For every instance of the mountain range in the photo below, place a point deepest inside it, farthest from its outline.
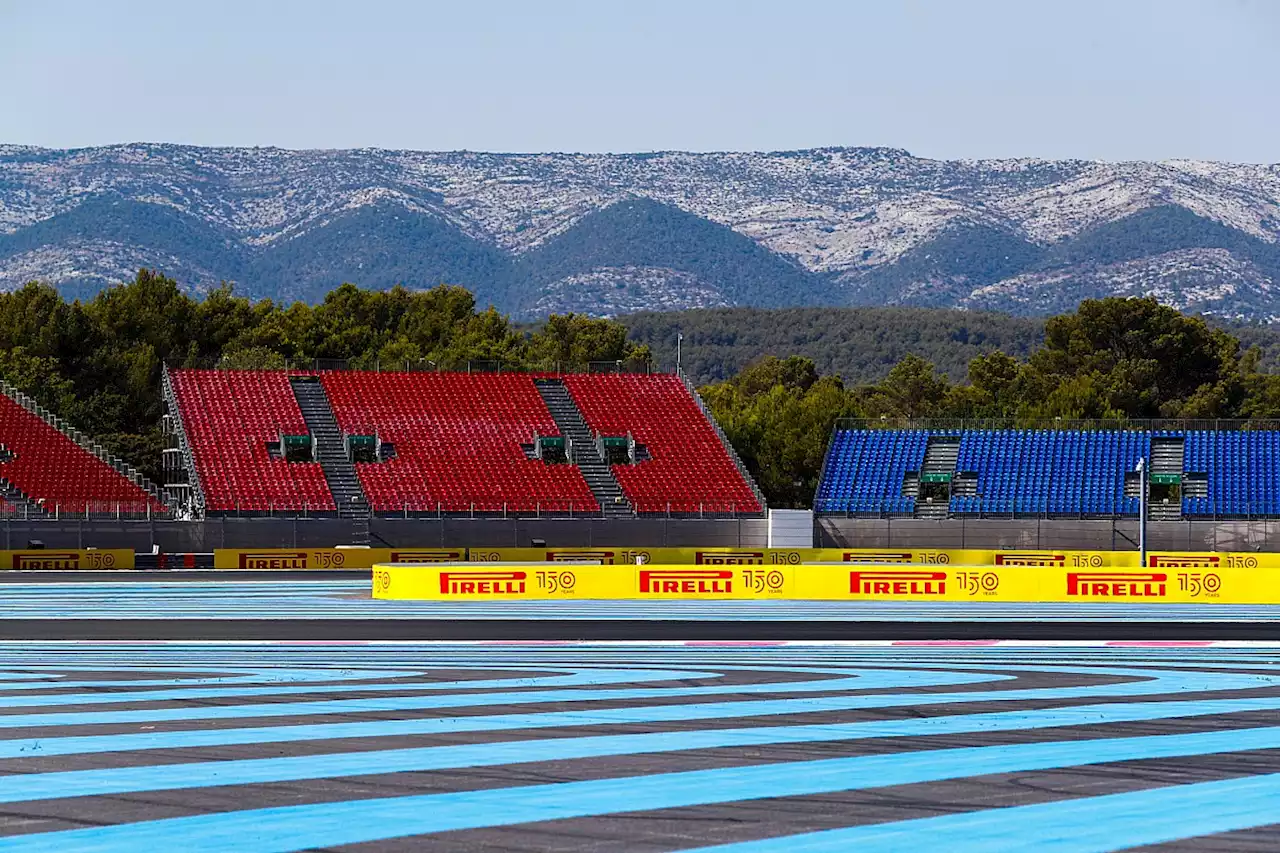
(611, 234)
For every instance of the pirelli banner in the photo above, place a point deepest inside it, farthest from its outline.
(632, 556)
(66, 560)
(1167, 578)
(311, 559)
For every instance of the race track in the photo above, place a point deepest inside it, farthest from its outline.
(292, 609)
(649, 747)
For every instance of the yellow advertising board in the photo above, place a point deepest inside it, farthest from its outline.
(615, 556)
(300, 559)
(310, 559)
(67, 559)
(1180, 583)
(796, 556)
(978, 557)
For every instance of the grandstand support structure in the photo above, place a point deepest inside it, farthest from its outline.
(197, 504)
(85, 442)
(22, 505)
(724, 441)
(583, 449)
(331, 450)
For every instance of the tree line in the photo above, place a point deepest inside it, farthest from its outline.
(1112, 359)
(97, 363)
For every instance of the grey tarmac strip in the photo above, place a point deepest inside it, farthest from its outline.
(55, 814)
(586, 630)
(674, 829)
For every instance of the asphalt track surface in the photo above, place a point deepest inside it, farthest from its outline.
(752, 748)
(749, 745)
(292, 608)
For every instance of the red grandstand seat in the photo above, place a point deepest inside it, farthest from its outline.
(229, 417)
(48, 467)
(457, 439)
(689, 470)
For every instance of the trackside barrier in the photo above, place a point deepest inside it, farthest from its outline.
(300, 559)
(1183, 583)
(365, 558)
(66, 559)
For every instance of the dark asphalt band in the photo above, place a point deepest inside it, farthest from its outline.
(167, 575)
(622, 629)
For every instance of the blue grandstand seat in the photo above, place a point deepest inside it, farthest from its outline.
(1242, 472)
(1034, 472)
(865, 470)
(1053, 472)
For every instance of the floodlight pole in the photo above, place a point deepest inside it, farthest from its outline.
(679, 340)
(1142, 511)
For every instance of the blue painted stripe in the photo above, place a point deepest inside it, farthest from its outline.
(1159, 682)
(84, 783)
(52, 681)
(291, 828)
(584, 678)
(467, 700)
(1089, 825)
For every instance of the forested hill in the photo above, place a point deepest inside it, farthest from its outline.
(860, 345)
(857, 344)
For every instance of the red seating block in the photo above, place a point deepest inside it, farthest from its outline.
(229, 416)
(457, 438)
(689, 470)
(46, 465)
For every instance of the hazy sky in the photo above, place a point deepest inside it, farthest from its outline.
(1105, 79)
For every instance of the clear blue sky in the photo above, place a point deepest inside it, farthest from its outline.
(1105, 79)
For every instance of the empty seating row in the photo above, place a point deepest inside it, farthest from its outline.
(1060, 472)
(56, 473)
(455, 443)
(1241, 472)
(688, 469)
(1049, 472)
(457, 440)
(866, 469)
(230, 417)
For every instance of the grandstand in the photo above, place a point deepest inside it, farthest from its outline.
(1227, 472)
(48, 470)
(355, 443)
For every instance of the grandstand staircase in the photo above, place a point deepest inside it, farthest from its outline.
(1167, 455)
(91, 447)
(604, 486)
(23, 506)
(331, 453)
(940, 457)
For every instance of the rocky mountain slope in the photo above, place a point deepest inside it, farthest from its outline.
(610, 234)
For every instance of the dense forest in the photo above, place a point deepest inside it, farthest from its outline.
(98, 363)
(860, 345)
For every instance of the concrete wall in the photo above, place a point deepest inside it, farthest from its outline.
(1048, 534)
(203, 536)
